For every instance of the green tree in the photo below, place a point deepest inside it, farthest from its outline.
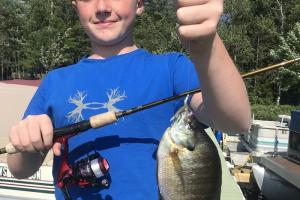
(156, 28)
(250, 28)
(289, 48)
(233, 29)
(55, 39)
(40, 35)
(11, 37)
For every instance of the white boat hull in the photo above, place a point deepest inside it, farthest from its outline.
(37, 187)
(272, 186)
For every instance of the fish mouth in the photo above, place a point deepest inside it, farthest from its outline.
(182, 131)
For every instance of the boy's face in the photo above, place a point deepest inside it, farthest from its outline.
(108, 22)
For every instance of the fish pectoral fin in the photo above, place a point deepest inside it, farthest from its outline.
(173, 149)
(177, 167)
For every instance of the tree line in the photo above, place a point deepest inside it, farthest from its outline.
(37, 36)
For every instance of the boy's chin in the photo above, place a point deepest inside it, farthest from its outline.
(109, 42)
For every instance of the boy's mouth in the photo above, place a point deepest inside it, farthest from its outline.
(105, 23)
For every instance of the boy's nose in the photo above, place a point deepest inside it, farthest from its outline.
(103, 6)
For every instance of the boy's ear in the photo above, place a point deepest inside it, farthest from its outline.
(74, 4)
(140, 7)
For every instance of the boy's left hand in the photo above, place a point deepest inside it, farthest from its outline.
(198, 19)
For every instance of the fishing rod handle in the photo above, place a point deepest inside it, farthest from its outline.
(95, 122)
(9, 148)
(103, 119)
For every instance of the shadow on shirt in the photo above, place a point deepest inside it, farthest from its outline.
(108, 142)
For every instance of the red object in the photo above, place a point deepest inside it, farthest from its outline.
(105, 165)
(65, 176)
(65, 171)
(83, 183)
(35, 83)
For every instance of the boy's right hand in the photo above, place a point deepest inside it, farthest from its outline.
(34, 134)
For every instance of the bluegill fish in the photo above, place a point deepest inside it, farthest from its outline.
(189, 166)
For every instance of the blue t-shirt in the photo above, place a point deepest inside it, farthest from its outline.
(92, 86)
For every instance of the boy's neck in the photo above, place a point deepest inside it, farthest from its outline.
(103, 51)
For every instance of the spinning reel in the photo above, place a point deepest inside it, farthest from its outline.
(88, 172)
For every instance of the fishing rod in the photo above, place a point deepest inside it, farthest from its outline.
(110, 117)
(271, 67)
(101, 120)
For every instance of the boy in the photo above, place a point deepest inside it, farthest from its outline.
(118, 76)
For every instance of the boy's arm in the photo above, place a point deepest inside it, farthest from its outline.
(25, 164)
(32, 137)
(223, 103)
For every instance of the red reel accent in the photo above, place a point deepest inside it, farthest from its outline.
(67, 176)
(105, 164)
(64, 175)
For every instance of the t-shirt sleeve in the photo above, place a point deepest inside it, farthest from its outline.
(38, 103)
(185, 77)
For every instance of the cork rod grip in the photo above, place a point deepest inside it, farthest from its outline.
(103, 119)
(10, 149)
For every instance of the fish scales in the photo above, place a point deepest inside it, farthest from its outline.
(189, 166)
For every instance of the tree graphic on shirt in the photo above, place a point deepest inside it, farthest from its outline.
(114, 96)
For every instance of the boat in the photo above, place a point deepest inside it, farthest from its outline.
(278, 175)
(15, 95)
(38, 186)
(270, 151)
